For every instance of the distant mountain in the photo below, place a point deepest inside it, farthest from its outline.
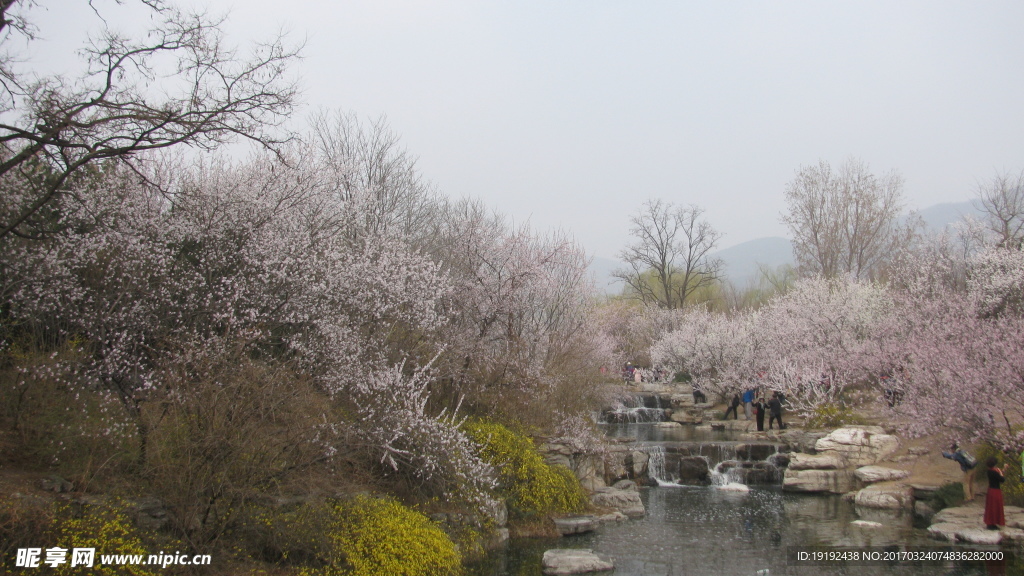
(940, 216)
(742, 260)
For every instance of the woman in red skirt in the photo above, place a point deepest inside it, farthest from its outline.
(994, 499)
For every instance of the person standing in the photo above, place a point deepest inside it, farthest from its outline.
(994, 517)
(748, 402)
(967, 465)
(759, 409)
(775, 408)
(733, 408)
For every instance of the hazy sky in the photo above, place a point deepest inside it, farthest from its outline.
(571, 113)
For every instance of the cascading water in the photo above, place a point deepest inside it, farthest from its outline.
(718, 463)
(638, 408)
(656, 466)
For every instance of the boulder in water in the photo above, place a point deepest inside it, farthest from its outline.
(573, 561)
(832, 481)
(872, 474)
(626, 501)
(576, 524)
(886, 496)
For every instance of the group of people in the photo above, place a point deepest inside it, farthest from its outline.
(636, 374)
(755, 405)
(996, 475)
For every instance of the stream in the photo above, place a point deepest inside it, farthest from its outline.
(702, 530)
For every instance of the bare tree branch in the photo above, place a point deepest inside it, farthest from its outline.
(177, 84)
(671, 259)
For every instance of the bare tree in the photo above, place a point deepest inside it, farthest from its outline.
(373, 169)
(175, 84)
(843, 222)
(671, 257)
(1002, 199)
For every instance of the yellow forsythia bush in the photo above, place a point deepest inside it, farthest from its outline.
(531, 485)
(381, 537)
(108, 529)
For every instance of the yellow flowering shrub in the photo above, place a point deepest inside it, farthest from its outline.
(106, 528)
(381, 537)
(531, 485)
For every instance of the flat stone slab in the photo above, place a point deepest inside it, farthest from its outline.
(1014, 534)
(944, 531)
(577, 524)
(866, 524)
(872, 474)
(574, 561)
(979, 536)
(960, 515)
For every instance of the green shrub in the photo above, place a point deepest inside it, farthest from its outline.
(380, 537)
(833, 415)
(948, 495)
(1013, 489)
(531, 486)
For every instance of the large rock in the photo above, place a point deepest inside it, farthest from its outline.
(626, 501)
(831, 481)
(576, 561)
(801, 440)
(800, 461)
(859, 445)
(872, 474)
(687, 417)
(590, 471)
(577, 524)
(640, 460)
(617, 465)
(894, 496)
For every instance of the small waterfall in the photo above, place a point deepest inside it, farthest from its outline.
(716, 463)
(637, 408)
(656, 465)
(721, 475)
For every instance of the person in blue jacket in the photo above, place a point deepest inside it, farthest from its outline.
(748, 402)
(967, 465)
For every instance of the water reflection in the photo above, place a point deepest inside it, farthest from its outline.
(691, 530)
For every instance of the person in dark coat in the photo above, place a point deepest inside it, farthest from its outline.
(994, 517)
(760, 406)
(775, 410)
(733, 408)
